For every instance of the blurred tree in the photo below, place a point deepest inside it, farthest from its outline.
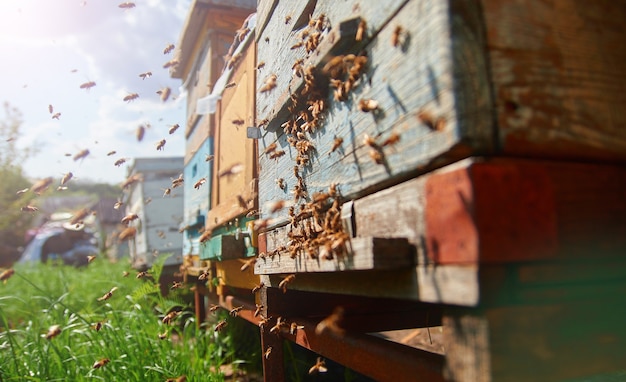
(13, 222)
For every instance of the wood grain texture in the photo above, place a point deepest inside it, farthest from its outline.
(557, 77)
(230, 273)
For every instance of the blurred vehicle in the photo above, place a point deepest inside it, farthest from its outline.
(68, 243)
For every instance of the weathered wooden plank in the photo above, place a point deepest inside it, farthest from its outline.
(557, 78)
(363, 253)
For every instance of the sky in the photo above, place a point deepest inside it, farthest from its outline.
(50, 48)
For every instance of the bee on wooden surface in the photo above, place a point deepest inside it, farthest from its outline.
(168, 48)
(6, 274)
(141, 130)
(280, 323)
(173, 128)
(395, 37)
(91, 259)
(199, 183)
(367, 105)
(360, 31)
(88, 85)
(295, 327)
(160, 144)
(171, 316)
(258, 309)
(22, 191)
(29, 208)
(370, 141)
(267, 353)
(242, 33)
(127, 5)
(220, 326)
(242, 202)
(120, 162)
(248, 264)
(319, 367)
(145, 75)
(129, 218)
(277, 154)
(230, 85)
(213, 308)
(56, 115)
(234, 60)
(127, 234)
(101, 362)
(260, 65)
(287, 280)
(238, 122)
(209, 157)
(81, 154)
(130, 97)
(257, 287)
(297, 45)
(164, 93)
(392, 139)
(276, 206)
(270, 83)
(235, 311)
(270, 148)
(170, 63)
(107, 295)
(331, 323)
(232, 170)
(287, 19)
(280, 182)
(206, 235)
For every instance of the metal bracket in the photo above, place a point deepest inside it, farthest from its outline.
(254, 132)
(347, 218)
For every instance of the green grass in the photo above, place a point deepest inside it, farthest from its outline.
(39, 296)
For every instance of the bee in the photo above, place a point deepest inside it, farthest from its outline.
(178, 181)
(127, 5)
(287, 19)
(233, 60)
(279, 324)
(98, 364)
(97, 326)
(257, 287)
(113, 152)
(204, 275)
(252, 213)
(132, 180)
(129, 218)
(29, 208)
(277, 154)
(166, 191)
(56, 115)
(235, 311)
(163, 336)
(319, 367)
(206, 235)
(160, 144)
(331, 323)
(168, 48)
(90, 258)
(141, 131)
(50, 109)
(170, 63)
(276, 206)
(145, 75)
(213, 308)
(367, 105)
(238, 122)
(287, 280)
(143, 274)
(125, 274)
(160, 233)
(209, 157)
(230, 85)
(176, 285)
(391, 140)
(268, 352)
(297, 45)
(22, 191)
(270, 148)
(147, 201)
(370, 141)
(199, 183)
(88, 85)
(220, 326)
(131, 97)
(242, 33)
(242, 202)
(173, 128)
(81, 154)
(248, 264)
(336, 144)
(118, 204)
(360, 31)
(270, 83)
(280, 182)
(260, 65)
(164, 93)
(6, 274)
(395, 37)
(127, 234)
(107, 295)
(182, 378)
(294, 327)
(258, 309)
(232, 170)
(171, 316)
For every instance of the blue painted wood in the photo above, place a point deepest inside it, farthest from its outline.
(197, 200)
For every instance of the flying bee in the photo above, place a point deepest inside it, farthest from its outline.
(252, 213)
(173, 128)
(127, 5)
(56, 115)
(164, 93)
(331, 323)
(294, 327)
(90, 259)
(220, 325)
(206, 235)
(142, 275)
(260, 65)
(50, 109)
(277, 154)
(238, 122)
(79, 215)
(367, 105)
(145, 75)
(125, 274)
(147, 201)
(234, 60)
(276, 206)
(22, 191)
(370, 141)
(6, 274)
(258, 309)
(81, 154)
(127, 233)
(199, 183)
(170, 63)
(178, 181)
(279, 324)
(97, 326)
(132, 180)
(267, 352)
(29, 208)
(107, 295)
(98, 364)
(117, 205)
(232, 170)
(395, 37)
(163, 336)
(235, 311)
(257, 287)
(319, 367)
(182, 378)
(176, 285)
(171, 316)
(161, 233)
(213, 308)
(160, 144)
(209, 157)
(168, 48)
(360, 30)
(287, 280)
(336, 144)
(88, 85)
(113, 152)
(270, 148)
(166, 191)
(270, 83)
(391, 140)
(248, 264)
(129, 218)
(131, 97)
